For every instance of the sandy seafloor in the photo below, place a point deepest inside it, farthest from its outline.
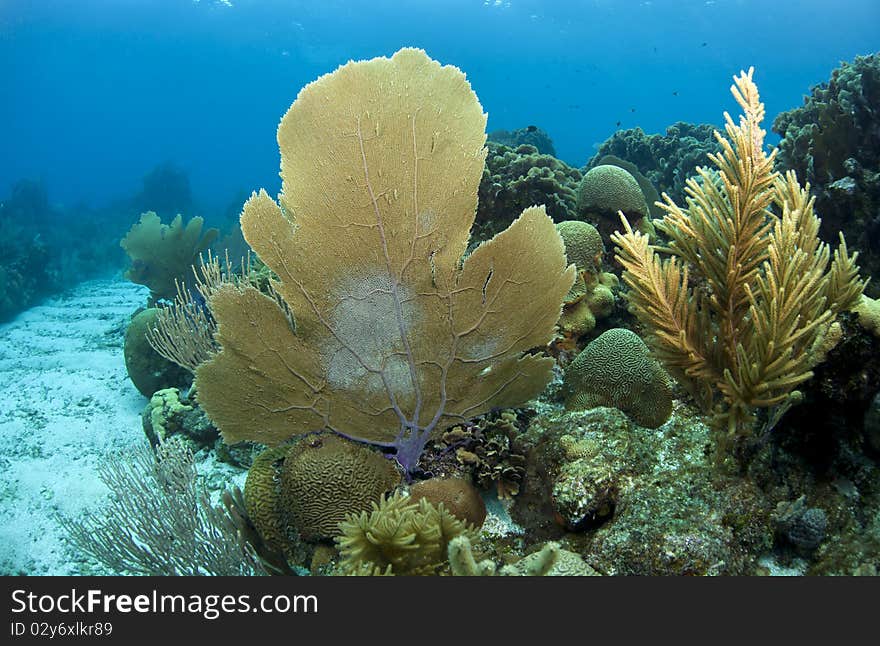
(65, 402)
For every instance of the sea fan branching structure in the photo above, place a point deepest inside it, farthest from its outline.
(739, 303)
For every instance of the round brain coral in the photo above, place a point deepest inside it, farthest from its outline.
(607, 189)
(583, 244)
(324, 478)
(616, 370)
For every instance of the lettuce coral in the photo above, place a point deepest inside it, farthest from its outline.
(378, 328)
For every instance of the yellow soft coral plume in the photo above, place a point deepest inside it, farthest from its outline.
(739, 302)
(393, 332)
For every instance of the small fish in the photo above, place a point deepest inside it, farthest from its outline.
(675, 93)
(704, 44)
(617, 124)
(632, 109)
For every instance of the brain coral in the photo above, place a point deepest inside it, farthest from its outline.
(616, 370)
(261, 500)
(324, 478)
(608, 189)
(583, 244)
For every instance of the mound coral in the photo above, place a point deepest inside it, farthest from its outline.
(616, 370)
(146, 368)
(607, 190)
(378, 329)
(766, 290)
(325, 478)
(457, 495)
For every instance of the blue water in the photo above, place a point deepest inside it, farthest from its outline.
(95, 93)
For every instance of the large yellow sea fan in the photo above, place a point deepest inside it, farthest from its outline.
(395, 333)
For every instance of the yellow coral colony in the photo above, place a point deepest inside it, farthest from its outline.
(748, 328)
(379, 330)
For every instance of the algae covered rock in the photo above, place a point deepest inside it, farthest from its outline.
(636, 502)
(616, 370)
(147, 369)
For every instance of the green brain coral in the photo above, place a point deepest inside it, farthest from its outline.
(583, 244)
(326, 477)
(609, 189)
(616, 370)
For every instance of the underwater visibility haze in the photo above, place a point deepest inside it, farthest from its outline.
(541, 288)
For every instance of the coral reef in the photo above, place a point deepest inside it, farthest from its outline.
(752, 325)
(164, 254)
(26, 260)
(833, 143)
(530, 136)
(517, 178)
(616, 369)
(667, 160)
(394, 337)
(165, 191)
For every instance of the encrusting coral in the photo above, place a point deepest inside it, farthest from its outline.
(392, 335)
(747, 323)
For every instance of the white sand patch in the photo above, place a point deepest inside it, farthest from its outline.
(65, 402)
